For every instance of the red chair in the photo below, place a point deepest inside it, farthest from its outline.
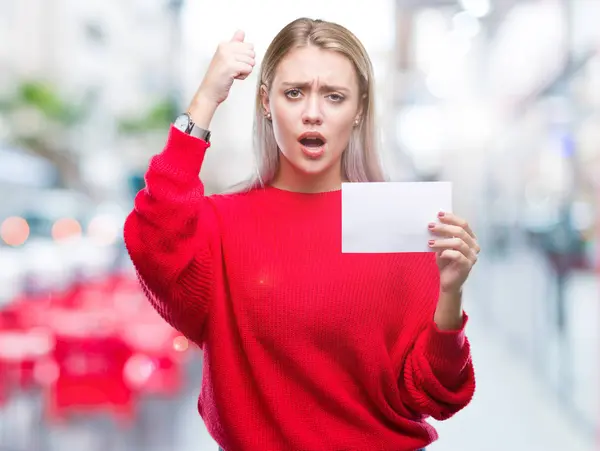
(21, 346)
(4, 384)
(90, 378)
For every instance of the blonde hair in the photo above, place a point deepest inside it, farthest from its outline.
(360, 161)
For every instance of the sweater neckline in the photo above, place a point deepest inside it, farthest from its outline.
(299, 194)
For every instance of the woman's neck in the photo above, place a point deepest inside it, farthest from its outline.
(289, 178)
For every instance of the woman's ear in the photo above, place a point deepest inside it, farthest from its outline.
(264, 95)
(361, 105)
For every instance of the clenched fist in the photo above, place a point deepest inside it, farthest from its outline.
(233, 60)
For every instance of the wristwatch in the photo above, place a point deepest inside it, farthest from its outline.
(184, 123)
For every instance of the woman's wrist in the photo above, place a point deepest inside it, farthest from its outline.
(202, 110)
(449, 311)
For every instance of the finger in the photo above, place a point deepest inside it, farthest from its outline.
(451, 218)
(454, 256)
(242, 47)
(245, 59)
(238, 36)
(242, 71)
(454, 244)
(447, 230)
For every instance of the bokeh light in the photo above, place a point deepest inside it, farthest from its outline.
(103, 230)
(14, 231)
(180, 343)
(66, 228)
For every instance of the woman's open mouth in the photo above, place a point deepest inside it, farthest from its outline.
(312, 144)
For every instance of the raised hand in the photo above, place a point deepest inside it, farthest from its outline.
(233, 60)
(456, 251)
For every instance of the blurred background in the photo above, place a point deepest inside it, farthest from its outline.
(501, 97)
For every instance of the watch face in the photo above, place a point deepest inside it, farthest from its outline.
(182, 122)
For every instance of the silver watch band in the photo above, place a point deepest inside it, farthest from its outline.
(200, 133)
(185, 123)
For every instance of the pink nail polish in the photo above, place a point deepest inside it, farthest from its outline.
(441, 214)
(431, 225)
(431, 242)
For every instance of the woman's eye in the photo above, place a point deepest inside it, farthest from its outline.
(336, 97)
(293, 93)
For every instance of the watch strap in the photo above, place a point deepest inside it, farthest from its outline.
(195, 131)
(199, 133)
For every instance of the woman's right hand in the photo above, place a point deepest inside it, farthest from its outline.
(233, 60)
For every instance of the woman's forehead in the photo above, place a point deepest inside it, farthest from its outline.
(313, 66)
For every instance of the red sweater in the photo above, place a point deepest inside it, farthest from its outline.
(305, 348)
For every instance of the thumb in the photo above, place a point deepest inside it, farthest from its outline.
(238, 36)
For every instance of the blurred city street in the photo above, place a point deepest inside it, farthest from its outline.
(513, 407)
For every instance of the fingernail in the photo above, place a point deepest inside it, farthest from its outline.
(431, 242)
(441, 214)
(431, 225)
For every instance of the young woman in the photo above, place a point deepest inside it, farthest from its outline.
(305, 348)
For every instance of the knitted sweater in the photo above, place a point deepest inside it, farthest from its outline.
(305, 348)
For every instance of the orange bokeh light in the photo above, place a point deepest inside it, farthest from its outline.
(102, 231)
(180, 343)
(14, 231)
(66, 228)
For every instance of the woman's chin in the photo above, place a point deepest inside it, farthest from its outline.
(314, 166)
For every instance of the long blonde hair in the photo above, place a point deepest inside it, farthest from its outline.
(360, 161)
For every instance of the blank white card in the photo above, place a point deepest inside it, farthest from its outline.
(391, 216)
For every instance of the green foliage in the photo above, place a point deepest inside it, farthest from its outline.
(57, 115)
(157, 118)
(43, 97)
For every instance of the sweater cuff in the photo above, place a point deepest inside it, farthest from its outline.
(184, 154)
(447, 348)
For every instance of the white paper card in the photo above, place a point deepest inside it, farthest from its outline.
(391, 216)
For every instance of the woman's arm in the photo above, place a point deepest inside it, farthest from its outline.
(172, 234)
(173, 238)
(437, 378)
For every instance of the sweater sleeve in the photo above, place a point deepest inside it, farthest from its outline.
(437, 379)
(173, 238)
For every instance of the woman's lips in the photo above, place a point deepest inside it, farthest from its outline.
(312, 151)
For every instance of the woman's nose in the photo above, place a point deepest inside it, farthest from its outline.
(312, 113)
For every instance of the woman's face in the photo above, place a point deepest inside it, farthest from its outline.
(314, 102)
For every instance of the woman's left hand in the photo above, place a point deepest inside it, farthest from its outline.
(456, 251)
